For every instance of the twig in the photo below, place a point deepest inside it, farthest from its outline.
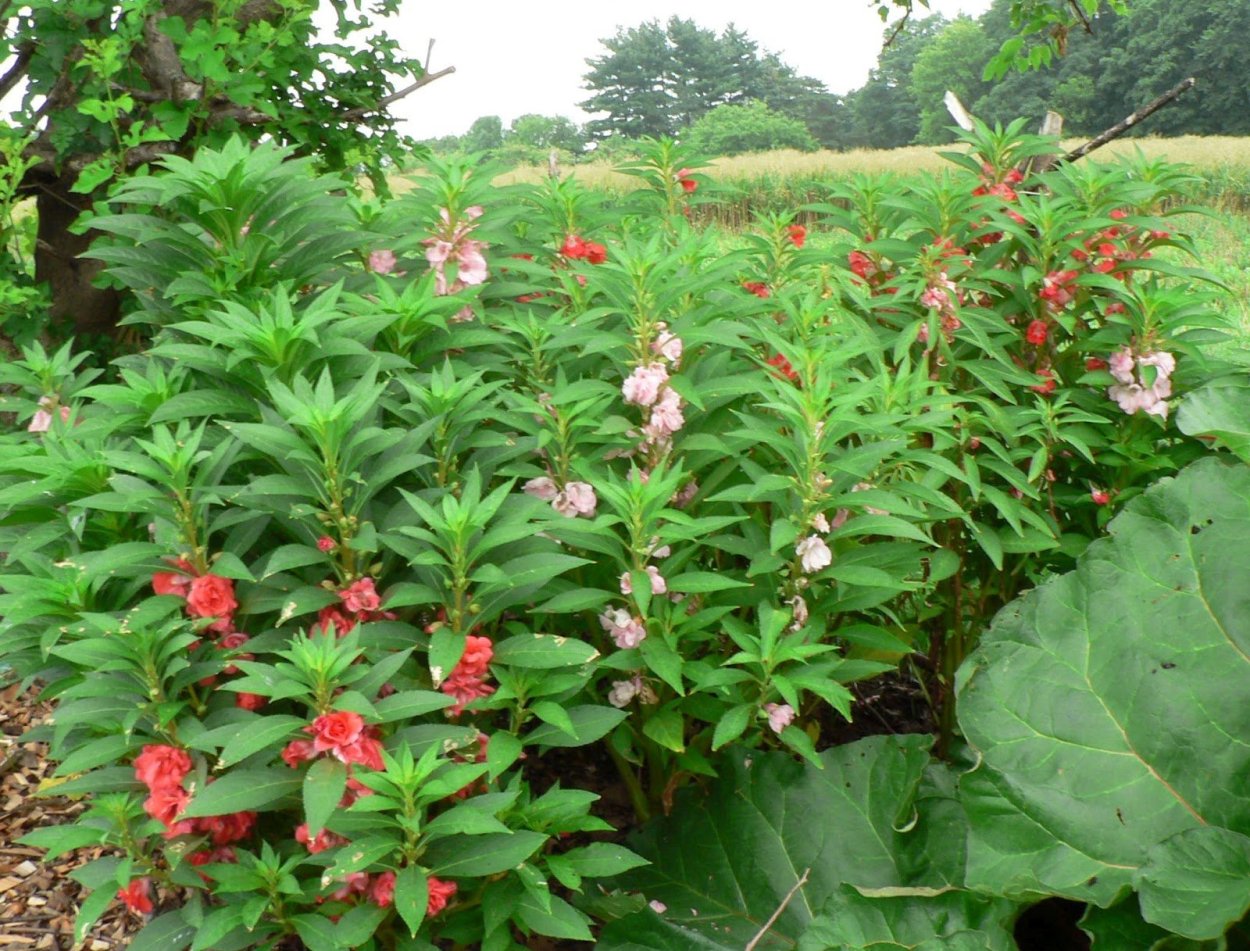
(1124, 125)
(18, 69)
(1076, 8)
(361, 111)
(777, 914)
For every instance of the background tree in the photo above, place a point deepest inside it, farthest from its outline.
(953, 60)
(884, 111)
(546, 132)
(485, 135)
(750, 127)
(657, 80)
(111, 85)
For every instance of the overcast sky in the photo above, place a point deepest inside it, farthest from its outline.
(517, 57)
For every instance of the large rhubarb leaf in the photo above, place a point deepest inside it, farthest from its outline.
(1109, 710)
(1221, 410)
(729, 858)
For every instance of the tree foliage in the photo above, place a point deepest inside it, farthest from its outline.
(657, 79)
(111, 85)
(751, 127)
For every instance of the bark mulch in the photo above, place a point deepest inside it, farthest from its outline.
(38, 899)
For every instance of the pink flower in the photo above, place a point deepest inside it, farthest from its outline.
(472, 263)
(800, 611)
(667, 345)
(541, 488)
(578, 498)
(335, 730)
(657, 906)
(440, 893)
(326, 544)
(360, 596)
(625, 630)
(1121, 365)
(780, 716)
(42, 420)
(643, 385)
(466, 681)
(382, 262)
(687, 183)
(623, 691)
(658, 584)
(814, 555)
(437, 252)
(382, 891)
(666, 416)
(176, 583)
(1099, 496)
(356, 883)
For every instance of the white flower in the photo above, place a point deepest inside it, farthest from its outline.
(814, 554)
(624, 691)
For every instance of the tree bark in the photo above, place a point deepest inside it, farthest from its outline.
(75, 301)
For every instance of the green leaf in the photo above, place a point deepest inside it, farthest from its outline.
(701, 582)
(667, 728)
(1220, 410)
(600, 859)
(543, 652)
(953, 921)
(324, 784)
(590, 722)
(465, 856)
(1102, 704)
(412, 895)
(562, 920)
(732, 724)
(726, 858)
(255, 735)
(168, 932)
(244, 789)
(1196, 883)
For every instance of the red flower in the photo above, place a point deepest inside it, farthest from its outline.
(332, 731)
(325, 839)
(298, 751)
(211, 596)
(758, 288)
(137, 895)
(382, 891)
(332, 615)
(211, 856)
(165, 805)
(687, 183)
(1047, 386)
(477, 655)
(1095, 363)
(366, 751)
(356, 883)
(1036, 333)
(785, 371)
(326, 543)
(226, 829)
(1100, 496)
(861, 264)
(797, 235)
(573, 247)
(440, 893)
(176, 583)
(595, 252)
(360, 597)
(250, 701)
(162, 767)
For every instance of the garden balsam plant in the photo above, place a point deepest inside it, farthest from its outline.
(409, 510)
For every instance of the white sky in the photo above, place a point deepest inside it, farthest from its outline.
(516, 57)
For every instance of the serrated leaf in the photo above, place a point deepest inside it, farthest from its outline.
(244, 789)
(412, 894)
(324, 784)
(543, 652)
(464, 856)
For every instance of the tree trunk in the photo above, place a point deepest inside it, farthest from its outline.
(75, 302)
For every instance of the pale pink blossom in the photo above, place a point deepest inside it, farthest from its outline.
(666, 416)
(42, 420)
(658, 584)
(667, 345)
(657, 906)
(623, 691)
(578, 498)
(437, 252)
(382, 261)
(780, 716)
(1131, 392)
(820, 523)
(542, 488)
(839, 519)
(1121, 365)
(472, 263)
(643, 385)
(685, 495)
(625, 630)
(814, 555)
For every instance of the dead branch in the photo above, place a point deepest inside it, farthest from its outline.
(361, 111)
(759, 936)
(1124, 125)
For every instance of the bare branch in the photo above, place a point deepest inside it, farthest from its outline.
(1080, 15)
(1124, 125)
(361, 111)
(898, 28)
(17, 70)
(759, 936)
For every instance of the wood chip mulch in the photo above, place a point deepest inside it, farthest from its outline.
(38, 900)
